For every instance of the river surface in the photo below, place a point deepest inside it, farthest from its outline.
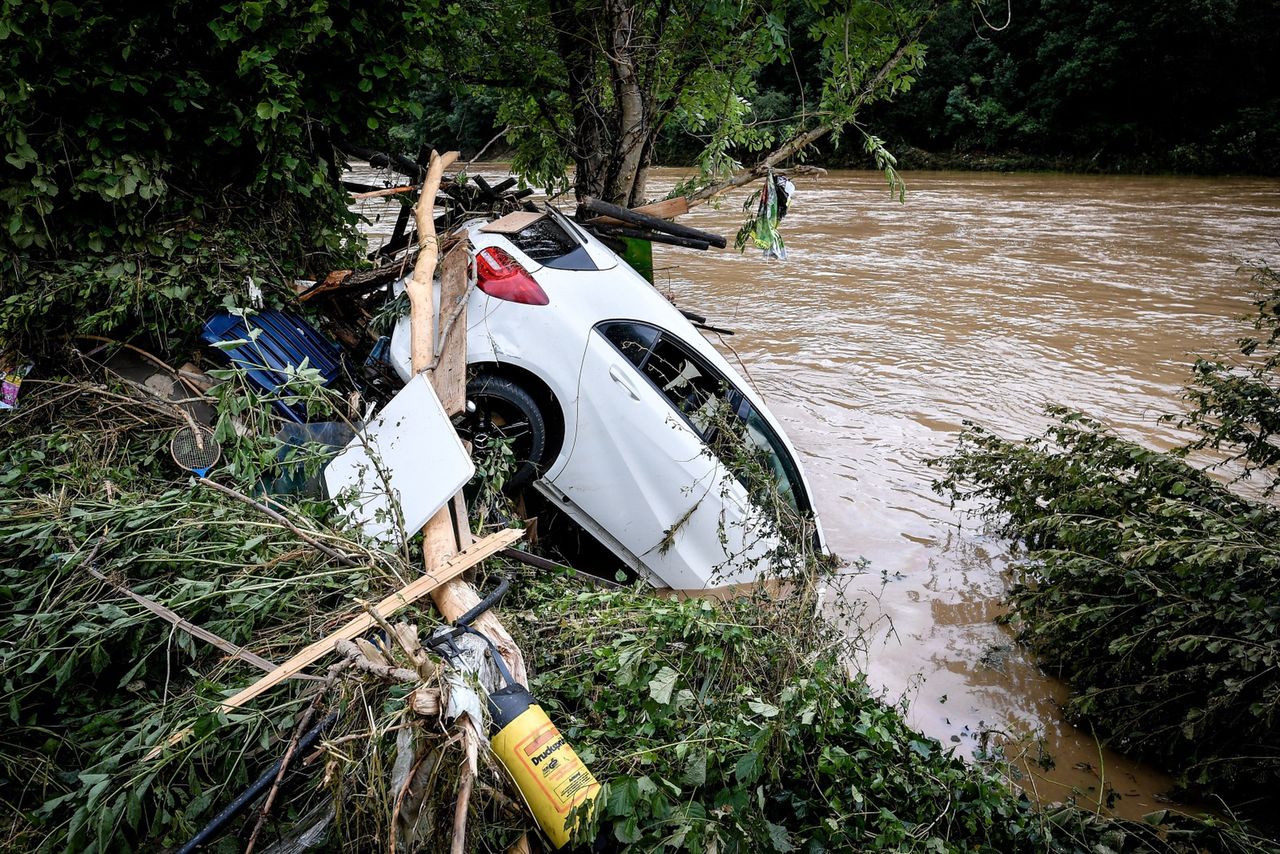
(982, 298)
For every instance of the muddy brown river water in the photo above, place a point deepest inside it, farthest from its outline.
(982, 298)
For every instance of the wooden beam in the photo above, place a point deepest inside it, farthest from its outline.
(405, 596)
(419, 286)
(450, 377)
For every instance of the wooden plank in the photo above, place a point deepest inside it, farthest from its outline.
(407, 595)
(450, 378)
(402, 598)
(513, 222)
(461, 525)
(665, 209)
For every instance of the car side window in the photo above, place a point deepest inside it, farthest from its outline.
(697, 391)
(771, 454)
(686, 381)
(633, 340)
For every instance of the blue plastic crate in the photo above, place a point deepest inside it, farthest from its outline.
(285, 340)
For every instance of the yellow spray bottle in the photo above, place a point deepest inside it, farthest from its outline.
(550, 775)
(552, 778)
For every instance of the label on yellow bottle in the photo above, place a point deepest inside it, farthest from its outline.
(550, 774)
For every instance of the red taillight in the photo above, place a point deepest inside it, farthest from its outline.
(501, 277)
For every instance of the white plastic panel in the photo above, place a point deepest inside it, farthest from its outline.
(406, 463)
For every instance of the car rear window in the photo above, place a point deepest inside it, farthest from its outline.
(549, 242)
(544, 240)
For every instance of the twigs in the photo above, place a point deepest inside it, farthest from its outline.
(345, 560)
(284, 762)
(190, 628)
(470, 769)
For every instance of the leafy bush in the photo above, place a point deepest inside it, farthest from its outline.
(735, 727)
(1149, 585)
(155, 158)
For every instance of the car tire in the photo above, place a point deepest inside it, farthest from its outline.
(507, 410)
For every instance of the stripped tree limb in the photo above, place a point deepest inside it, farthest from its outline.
(345, 560)
(439, 539)
(179, 622)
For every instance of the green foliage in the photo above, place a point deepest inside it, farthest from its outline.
(1236, 402)
(682, 71)
(732, 727)
(1149, 585)
(1185, 86)
(157, 158)
(90, 681)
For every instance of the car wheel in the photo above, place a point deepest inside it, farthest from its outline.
(507, 412)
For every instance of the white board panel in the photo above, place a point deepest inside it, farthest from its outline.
(406, 463)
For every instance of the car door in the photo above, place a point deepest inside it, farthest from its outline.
(640, 468)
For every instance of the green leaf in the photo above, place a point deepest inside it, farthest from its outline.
(779, 837)
(622, 796)
(661, 686)
(748, 768)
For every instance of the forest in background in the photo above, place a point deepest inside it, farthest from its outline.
(1182, 86)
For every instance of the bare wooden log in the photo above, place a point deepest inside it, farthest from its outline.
(665, 209)
(651, 236)
(438, 537)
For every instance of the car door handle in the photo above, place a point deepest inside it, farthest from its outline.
(616, 374)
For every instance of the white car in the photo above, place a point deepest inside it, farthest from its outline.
(601, 384)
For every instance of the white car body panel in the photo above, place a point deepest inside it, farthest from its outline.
(630, 468)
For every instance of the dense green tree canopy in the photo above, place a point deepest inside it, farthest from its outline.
(1182, 85)
(156, 152)
(595, 83)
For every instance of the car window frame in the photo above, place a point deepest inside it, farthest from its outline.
(804, 503)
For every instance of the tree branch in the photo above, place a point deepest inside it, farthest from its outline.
(803, 140)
